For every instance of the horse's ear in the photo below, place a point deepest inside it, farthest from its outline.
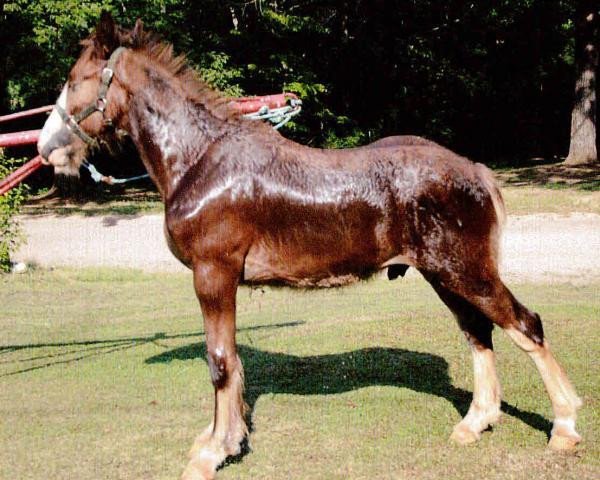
(106, 33)
(137, 34)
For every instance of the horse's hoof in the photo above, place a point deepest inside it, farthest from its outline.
(463, 436)
(204, 464)
(563, 443)
(232, 447)
(233, 444)
(200, 442)
(196, 471)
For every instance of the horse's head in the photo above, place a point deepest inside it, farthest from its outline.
(92, 101)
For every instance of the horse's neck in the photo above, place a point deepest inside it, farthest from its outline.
(170, 132)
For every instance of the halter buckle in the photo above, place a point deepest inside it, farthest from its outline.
(107, 74)
(101, 104)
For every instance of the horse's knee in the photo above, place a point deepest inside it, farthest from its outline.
(224, 366)
(217, 365)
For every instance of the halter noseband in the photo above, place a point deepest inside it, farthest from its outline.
(72, 121)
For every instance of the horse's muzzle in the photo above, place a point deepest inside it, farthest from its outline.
(60, 139)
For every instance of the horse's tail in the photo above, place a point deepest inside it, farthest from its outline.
(490, 184)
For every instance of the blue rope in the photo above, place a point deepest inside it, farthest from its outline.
(98, 177)
(278, 116)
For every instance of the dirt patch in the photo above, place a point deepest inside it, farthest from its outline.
(552, 248)
(539, 248)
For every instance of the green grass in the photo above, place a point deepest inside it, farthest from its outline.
(550, 188)
(526, 200)
(102, 376)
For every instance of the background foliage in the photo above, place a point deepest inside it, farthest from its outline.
(9, 206)
(491, 79)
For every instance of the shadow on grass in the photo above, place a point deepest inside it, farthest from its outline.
(271, 373)
(69, 352)
(555, 176)
(74, 196)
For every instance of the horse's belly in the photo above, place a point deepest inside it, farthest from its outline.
(264, 265)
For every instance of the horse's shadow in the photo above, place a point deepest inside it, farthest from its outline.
(270, 372)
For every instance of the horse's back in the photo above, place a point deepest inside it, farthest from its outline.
(316, 217)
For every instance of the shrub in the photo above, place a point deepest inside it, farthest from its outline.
(11, 235)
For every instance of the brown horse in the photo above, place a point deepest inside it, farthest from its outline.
(245, 205)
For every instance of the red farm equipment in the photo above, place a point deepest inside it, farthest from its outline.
(278, 109)
(19, 139)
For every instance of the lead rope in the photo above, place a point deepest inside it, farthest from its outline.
(110, 180)
(279, 116)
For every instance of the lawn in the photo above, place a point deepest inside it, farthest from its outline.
(102, 376)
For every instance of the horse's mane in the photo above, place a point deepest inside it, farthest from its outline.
(161, 53)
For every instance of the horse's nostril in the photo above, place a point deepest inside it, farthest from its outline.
(46, 150)
(59, 157)
(40, 149)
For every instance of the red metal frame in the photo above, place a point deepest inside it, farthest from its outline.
(243, 105)
(20, 174)
(18, 139)
(253, 104)
(25, 113)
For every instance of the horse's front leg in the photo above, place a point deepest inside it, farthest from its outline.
(216, 285)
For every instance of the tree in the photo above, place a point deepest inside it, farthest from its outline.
(485, 78)
(582, 148)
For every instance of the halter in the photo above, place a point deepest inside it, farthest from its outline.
(72, 121)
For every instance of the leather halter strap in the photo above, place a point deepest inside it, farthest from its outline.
(72, 121)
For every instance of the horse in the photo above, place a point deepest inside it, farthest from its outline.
(244, 205)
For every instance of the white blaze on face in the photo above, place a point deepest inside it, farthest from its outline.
(54, 122)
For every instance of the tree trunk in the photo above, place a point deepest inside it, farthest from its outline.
(582, 148)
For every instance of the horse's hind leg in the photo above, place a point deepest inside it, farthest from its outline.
(527, 333)
(485, 407)
(216, 286)
(491, 297)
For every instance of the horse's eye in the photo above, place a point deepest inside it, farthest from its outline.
(73, 86)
